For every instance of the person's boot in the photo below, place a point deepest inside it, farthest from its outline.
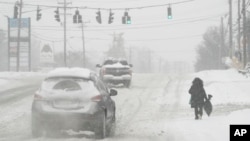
(199, 117)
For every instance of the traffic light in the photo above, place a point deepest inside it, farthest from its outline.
(170, 13)
(123, 20)
(79, 18)
(126, 19)
(38, 14)
(99, 17)
(15, 12)
(57, 16)
(111, 18)
(75, 19)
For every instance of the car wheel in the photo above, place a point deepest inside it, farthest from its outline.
(112, 126)
(36, 126)
(101, 132)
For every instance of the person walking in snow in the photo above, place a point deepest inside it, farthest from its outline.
(198, 95)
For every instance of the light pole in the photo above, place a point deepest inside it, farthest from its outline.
(8, 52)
(19, 34)
(83, 47)
(83, 44)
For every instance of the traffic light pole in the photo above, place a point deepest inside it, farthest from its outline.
(83, 45)
(18, 36)
(244, 33)
(65, 49)
(230, 30)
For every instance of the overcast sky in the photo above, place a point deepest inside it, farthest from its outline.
(173, 39)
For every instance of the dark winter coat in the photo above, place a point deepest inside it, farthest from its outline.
(198, 94)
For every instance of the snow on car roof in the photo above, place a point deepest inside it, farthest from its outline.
(70, 72)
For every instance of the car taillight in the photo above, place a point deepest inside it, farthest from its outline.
(96, 98)
(37, 97)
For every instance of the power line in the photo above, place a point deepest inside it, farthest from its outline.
(133, 27)
(133, 40)
(96, 8)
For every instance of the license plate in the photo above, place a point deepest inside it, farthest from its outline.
(66, 104)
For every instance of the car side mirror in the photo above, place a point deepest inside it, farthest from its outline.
(130, 65)
(113, 92)
(98, 65)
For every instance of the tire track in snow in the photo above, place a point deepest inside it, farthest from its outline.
(126, 120)
(168, 111)
(15, 122)
(142, 98)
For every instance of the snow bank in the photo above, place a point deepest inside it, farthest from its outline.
(221, 75)
(19, 75)
(10, 80)
(226, 86)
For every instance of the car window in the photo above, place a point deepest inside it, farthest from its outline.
(124, 62)
(108, 62)
(68, 84)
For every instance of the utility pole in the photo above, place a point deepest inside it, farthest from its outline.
(230, 30)
(239, 17)
(83, 47)
(244, 33)
(160, 62)
(222, 41)
(83, 43)
(18, 35)
(65, 45)
(130, 55)
(65, 30)
(149, 61)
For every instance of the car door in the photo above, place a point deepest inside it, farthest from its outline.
(108, 103)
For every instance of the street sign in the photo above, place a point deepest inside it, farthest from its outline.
(14, 23)
(23, 52)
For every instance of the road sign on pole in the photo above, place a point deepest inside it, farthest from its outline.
(23, 53)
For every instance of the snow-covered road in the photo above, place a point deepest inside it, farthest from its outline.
(154, 108)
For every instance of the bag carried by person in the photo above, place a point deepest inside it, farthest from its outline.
(208, 107)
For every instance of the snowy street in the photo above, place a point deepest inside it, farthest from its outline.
(155, 107)
(124, 70)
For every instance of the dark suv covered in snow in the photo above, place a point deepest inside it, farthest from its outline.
(116, 71)
(73, 98)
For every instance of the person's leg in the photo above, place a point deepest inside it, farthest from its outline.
(196, 112)
(200, 111)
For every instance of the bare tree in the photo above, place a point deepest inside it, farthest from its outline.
(211, 51)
